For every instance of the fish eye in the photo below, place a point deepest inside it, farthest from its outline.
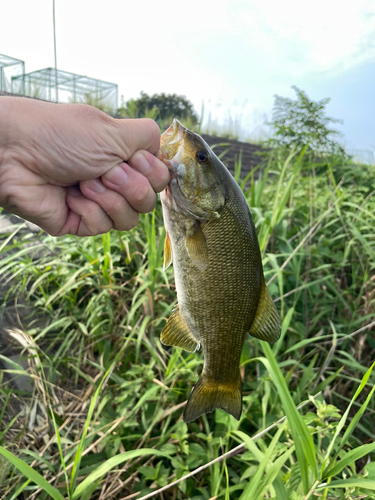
(202, 156)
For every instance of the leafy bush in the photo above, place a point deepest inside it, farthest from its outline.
(162, 107)
(302, 123)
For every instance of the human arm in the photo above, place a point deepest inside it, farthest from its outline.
(47, 149)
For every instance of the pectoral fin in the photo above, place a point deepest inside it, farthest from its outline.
(197, 249)
(167, 252)
(177, 333)
(266, 324)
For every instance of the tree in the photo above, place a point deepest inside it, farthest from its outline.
(302, 122)
(160, 106)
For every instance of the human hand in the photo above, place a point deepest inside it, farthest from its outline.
(46, 149)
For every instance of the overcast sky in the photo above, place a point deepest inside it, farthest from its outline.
(233, 55)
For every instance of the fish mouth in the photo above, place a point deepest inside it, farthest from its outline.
(172, 153)
(171, 143)
(173, 134)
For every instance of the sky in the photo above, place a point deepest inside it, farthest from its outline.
(233, 57)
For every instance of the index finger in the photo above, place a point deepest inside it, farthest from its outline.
(136, 134)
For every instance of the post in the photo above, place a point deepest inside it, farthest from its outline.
(23, 79)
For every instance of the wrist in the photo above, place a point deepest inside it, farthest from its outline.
(7, 147)
(19, 121)
(5, 113)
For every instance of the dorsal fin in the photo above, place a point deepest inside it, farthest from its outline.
(177, 333)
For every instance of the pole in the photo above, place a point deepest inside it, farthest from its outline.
(54, 45)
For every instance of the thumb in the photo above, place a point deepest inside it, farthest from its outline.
(137, 134)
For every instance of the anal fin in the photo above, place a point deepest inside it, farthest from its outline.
(266, 324)
(177, 333)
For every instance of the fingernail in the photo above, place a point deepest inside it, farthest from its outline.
(75, 192)
(95, 185)
(117, 176)
(141, 164)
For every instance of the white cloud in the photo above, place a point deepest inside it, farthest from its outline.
(333, 30)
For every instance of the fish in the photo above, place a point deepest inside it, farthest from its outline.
(221, 292)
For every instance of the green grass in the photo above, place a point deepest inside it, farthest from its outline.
(231, 127)
(116, 427)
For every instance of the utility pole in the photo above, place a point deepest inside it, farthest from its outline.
(54, 45)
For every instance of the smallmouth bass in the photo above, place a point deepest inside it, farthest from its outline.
(222, 295)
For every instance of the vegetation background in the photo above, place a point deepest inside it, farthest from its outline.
(103, 417)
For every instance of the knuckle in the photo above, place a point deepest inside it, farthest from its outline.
(55, 232)
(150, 205)
(128, 223)
(153, 133)
(141, 193)
(99, 227)
(162, 182)
(154, 127)
(91, 210)
(90, 112)
(117, 206)
(95, 219)
(9, 192)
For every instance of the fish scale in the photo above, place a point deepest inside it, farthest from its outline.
(221, 292)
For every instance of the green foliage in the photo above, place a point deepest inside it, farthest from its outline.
(302, 123)
(93, 99)
(230, 128)
(163, 107)
(106, 300)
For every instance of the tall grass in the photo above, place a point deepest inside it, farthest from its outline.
(113, 396)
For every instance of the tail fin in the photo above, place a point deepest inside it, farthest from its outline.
(209, 394)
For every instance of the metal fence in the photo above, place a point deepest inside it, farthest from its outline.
(62, 86)
(363, 155)
(9, 67)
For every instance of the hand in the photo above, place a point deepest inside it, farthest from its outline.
(46, 149)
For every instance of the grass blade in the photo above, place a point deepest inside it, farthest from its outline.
(352, 482)
(352, 424)
(81, 446)
(31, 474)
(253, 486)
(109, 464)
(281, 493)
(272, 474)
(301, 436)
(350, 457)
